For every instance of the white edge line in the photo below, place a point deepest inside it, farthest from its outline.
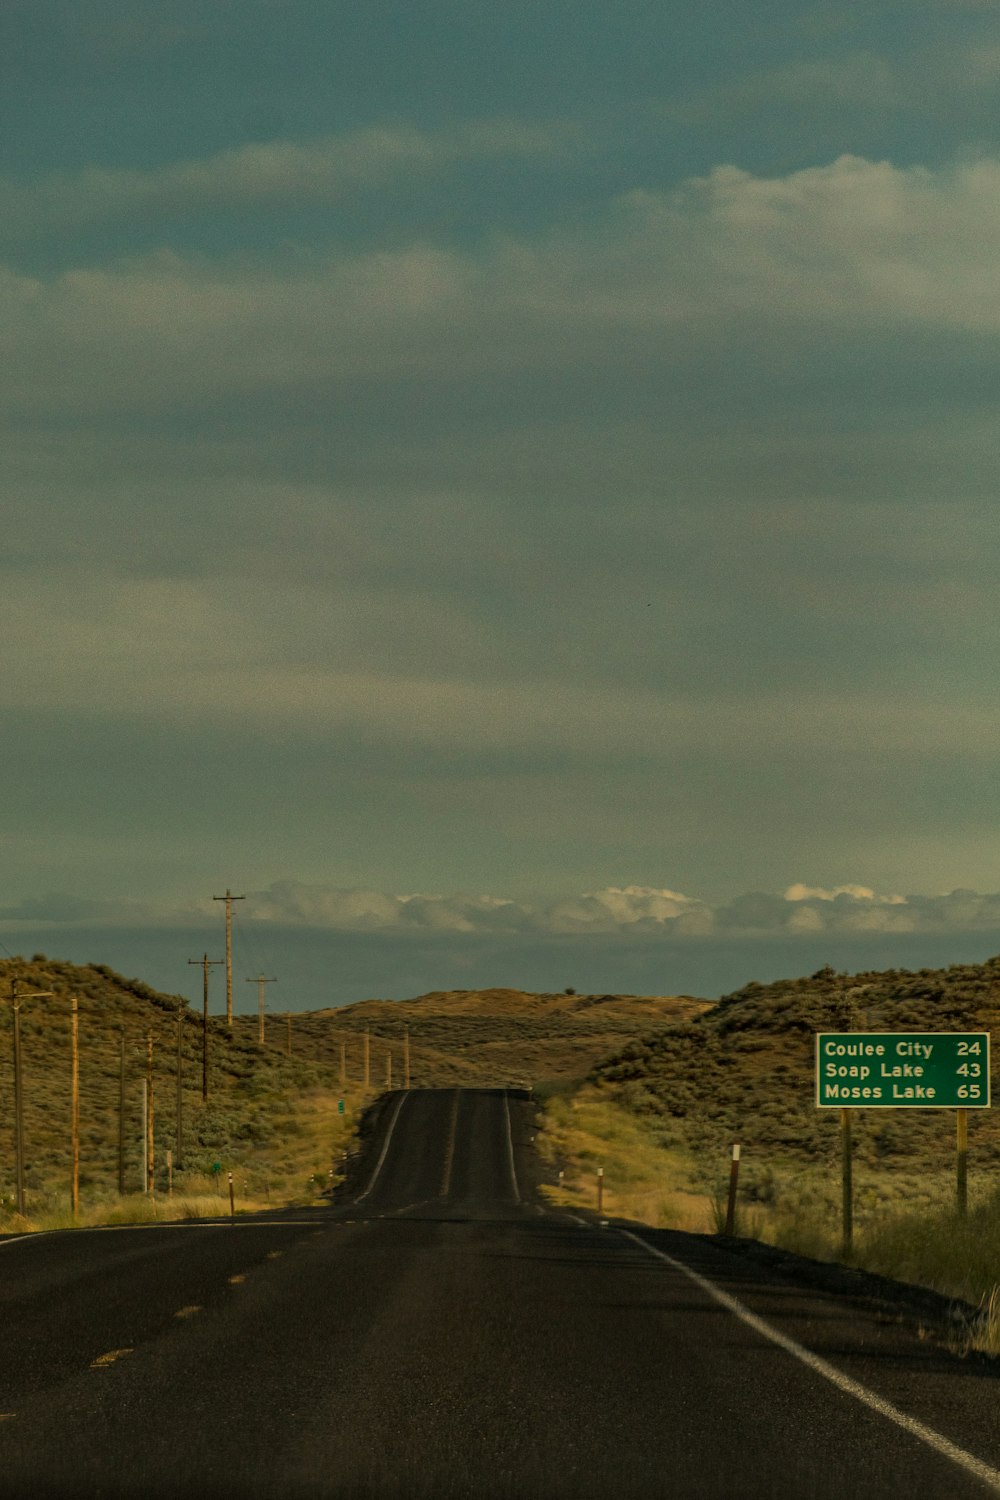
(936, 1440)
(385, 1146)
(510, 1149)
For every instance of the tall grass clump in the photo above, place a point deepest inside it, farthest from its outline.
(958, 1256)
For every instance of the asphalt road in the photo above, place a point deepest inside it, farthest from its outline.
(443, 1334)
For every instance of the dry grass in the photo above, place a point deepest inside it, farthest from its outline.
(644, 1179)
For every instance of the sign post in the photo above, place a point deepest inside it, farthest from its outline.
(847, 1183)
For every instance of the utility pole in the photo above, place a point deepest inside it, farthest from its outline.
(121, 1114)
(260, 982)
(228, 898)
(388, 1070)
(179, 1122)
(406, 1057)
(206, 963)
(74, 1104)
(16, 997)
(149, 1112)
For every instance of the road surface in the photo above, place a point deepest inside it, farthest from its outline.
(442, 1333)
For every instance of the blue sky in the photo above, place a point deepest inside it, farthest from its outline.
(529, 459)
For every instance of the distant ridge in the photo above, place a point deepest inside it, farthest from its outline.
(488, 1037)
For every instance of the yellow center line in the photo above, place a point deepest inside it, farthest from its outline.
(449, 1154)
(235, 1280)
(275, 1254)
(7, 1416)
(104, 1360)
(188, 1312)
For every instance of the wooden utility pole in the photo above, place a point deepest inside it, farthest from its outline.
(367, 1061)
(206, 963)
(388, 1070)
(260, 982)
(179, 1121)
(406, 1057)
(74, 1104)
(149, 1112)
(16, 997)
(228, 898)
(121, 1114)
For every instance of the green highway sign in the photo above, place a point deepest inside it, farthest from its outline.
(903, 1070)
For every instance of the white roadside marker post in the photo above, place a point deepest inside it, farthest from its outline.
(734, 1178)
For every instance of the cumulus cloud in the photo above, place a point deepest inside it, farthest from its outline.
(642, 912)
(800, 892)
(639, 910)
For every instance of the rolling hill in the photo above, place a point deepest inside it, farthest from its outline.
(744, 1069)
(480, 1037)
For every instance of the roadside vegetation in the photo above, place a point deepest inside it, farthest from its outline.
(272, 1117)
(662, 1113)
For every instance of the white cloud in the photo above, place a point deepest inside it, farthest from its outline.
(632, 910)
(256, 177)
(800, 892)
(856, 247)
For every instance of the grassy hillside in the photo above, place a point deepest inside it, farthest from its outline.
(744, 1070)
(660, 1114)
(269, 1118)
(482, 1038)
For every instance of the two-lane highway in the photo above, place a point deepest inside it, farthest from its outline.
(451, 1150)
(444, 1334)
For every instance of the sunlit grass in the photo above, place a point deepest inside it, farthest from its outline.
(303, 1159)
(643, 1179)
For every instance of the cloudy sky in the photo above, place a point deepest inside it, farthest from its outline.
(508, 487)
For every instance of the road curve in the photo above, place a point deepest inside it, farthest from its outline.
(442, 1333)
